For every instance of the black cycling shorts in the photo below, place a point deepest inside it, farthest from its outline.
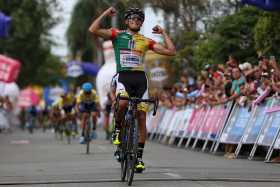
(134, 83)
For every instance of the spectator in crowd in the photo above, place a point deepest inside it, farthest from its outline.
(243, 83)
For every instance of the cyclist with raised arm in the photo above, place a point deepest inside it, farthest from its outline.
(88, 106)
(130, 48)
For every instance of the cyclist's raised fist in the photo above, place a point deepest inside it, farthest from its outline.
(110, 11)
(157, 30)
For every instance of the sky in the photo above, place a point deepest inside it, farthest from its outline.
(59, 31)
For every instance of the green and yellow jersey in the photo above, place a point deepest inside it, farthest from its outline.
(130, 50)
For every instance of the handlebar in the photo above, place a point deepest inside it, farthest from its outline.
(139, 100)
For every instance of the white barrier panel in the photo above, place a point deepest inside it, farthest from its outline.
(213, 125)
(178, 131)
(154, 121)
(172, 125)
(256, 123)
(165, 123)
(184, 123)
(236, 125)
(230, 125)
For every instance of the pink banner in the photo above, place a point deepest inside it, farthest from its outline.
(212, 119)
(195, 119)
(273, 109)
(9, 69)
(221, 115)
(28, 97)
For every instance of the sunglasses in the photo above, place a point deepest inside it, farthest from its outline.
(135, 18)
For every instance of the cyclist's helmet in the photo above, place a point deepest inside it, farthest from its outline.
(64, 93)
(134, 11)
(87, 87)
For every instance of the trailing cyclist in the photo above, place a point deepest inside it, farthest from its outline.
(88, 106)
(130, 48)
(66, 104)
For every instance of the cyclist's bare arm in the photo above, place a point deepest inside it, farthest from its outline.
(95, 26)
(167, 49)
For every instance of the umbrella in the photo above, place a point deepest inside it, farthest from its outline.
(27, 98)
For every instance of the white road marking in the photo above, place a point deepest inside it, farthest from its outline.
(174, 175)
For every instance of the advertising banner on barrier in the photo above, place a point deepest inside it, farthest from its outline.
(153, 121)
(174, 122)
(216, 127)
(237, 124)
(256, 123)
(193, 127)
(211, 119)
(184, 122)
(268, 134)
(277, 143)
(165, 121)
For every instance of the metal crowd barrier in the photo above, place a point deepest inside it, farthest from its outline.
(208, 128)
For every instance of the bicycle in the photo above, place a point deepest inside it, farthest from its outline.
(129, 136)
(88, 128)
(68, 126)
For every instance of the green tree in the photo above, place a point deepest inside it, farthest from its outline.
(229, 35)
(29, 39)
(267, 34)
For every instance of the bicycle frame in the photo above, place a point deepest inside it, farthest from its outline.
(130, 136)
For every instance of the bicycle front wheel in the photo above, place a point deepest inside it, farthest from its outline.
(123, 154)
(87, 137)
(132, 150)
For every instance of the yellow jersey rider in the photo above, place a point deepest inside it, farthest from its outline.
(130, 47)
(66, 103)
(88, 105)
